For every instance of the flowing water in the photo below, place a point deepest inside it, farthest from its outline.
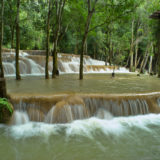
(123, 138)
(67, 63)
(98, 118)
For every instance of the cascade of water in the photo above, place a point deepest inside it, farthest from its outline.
(67, 63)
(64, 110)
(19, 117)
(124, 108)
(103, 114)
(49, 117)
(9, 68)
(66, 113)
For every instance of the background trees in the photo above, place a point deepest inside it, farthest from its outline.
(118, 32)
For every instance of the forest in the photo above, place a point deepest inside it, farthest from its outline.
(118, 32)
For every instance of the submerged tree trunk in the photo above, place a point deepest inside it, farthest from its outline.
(59, 11)
(18, 77)
(91, 10)
(47, 40)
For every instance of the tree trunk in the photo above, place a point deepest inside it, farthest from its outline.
(84, 40)
(47, 40)
(3, 90)
(141, 66)
(1, 39)
(135, 59)
(83, 44)
(18, 77)
(59, 10)
(150, 65)
(158, 62)
(131, 50)
(86, 47)
(145, 60)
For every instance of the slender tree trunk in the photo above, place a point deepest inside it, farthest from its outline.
(3, 90)
(136, 55)
(141, 66)
(18, 77)
(86, 47)
(131, 50)
(1, 39)
(151, 60)
(145, 60)
(59, 9)
(47, 40)
(138, 61)
(83, 44)
(91, 10)
(150, 65)
(158, 62)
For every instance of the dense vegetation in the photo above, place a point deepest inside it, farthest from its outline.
(119, 32)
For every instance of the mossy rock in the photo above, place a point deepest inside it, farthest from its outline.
(6, 110)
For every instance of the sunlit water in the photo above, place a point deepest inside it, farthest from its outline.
(92, 83)
(130, 138)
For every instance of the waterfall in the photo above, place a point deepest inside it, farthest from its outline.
(64, 109)
(67, 63)
(103, 114)
(19, 117)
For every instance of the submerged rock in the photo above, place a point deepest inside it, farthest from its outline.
(6, 110)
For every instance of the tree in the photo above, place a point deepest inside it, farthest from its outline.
(2, 80)
(48, 39)
(1, 39)
(59, 13)
(91, 10)
(18, 77)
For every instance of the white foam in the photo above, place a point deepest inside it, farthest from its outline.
(88, 127)
(19, 118)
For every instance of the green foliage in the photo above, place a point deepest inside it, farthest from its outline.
(6, 110)
(110, 34)
(5, 104)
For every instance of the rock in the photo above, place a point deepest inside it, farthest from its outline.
(6, 110)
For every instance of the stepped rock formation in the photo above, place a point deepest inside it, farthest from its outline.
(33, 63)
(66, 108)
